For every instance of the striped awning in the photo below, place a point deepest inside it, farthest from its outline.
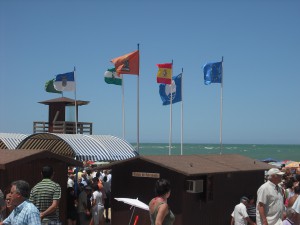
(81, 147)
(11, 140)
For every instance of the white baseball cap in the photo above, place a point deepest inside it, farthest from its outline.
(274, 171)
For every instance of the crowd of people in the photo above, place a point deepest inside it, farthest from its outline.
(277, 201)
(88, 196)
(88, 199)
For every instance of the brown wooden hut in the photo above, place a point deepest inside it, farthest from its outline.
(27, 165)
(205, 188)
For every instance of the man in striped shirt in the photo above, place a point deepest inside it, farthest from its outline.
(45, 195)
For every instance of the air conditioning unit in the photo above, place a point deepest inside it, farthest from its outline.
(194, 186)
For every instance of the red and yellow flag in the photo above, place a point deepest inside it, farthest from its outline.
(127, 64)
(164, 74)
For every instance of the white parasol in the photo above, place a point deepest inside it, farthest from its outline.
(134, 202)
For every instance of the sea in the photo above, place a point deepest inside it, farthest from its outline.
(255, 151)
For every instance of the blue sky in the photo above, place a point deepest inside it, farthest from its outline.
(259, 41)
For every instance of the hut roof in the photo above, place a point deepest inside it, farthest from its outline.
(67, 101)
(192, 165)
(11, 140)
(81, 146)
(10, 158)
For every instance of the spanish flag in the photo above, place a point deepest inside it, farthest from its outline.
(127, 64)
(164, 74)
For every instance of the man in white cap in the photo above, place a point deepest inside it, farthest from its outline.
(270, 205)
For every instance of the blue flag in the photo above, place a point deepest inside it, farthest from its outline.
(212, 73)
(175, 87)
(65, 82)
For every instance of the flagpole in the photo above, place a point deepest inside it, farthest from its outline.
(181, 112)
(138, 104)
(170, 133)
(75, 101)
(221, 111)
(123, 106)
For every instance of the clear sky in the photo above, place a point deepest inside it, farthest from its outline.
(259, 40)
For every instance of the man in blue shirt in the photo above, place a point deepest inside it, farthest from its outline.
(25, 213)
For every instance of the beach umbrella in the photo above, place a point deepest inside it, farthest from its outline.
(286, 162)
(134, 202)
(293, 165)
(277, 164)
(268, 160)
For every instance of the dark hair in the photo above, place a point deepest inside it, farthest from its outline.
(162, 186)
(22, 187)
(297, 190)
(47, 171)
(69, 189)
(95, 187)
(95, 179)
(105, 178)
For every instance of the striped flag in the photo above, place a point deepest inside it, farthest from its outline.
(164, 74)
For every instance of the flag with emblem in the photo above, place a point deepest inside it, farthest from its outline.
(49, 87)
(175, 88)
(127, 64)
(212, 73)
(65, 82)
(111, 77)
(164, 74)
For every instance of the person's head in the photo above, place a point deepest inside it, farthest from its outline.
(297, 190)
(47, 172)
(19, 191)
(162, 187)
(290, 182)
(70, 191)
(298, 170)
(87, 189)
(95, 187)
(95, 180)
(245, 200)
(275, 175)
(252, 199)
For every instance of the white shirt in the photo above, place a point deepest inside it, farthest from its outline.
(273, 203)
(240, 214)
(296, 205)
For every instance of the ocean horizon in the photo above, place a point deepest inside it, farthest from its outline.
(279, 152)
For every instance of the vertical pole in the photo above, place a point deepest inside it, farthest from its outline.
(221, 111)
(138, 104)
(76, 120)
(170, 133)
(181, 112)
(123, 106)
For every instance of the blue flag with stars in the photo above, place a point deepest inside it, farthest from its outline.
(212, 73)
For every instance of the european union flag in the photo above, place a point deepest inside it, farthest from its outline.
(166, 89)
(212, 73)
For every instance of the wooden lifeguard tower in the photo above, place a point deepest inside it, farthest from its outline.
(57, 118)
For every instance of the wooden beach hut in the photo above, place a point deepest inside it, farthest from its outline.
(27, 164)
(205, 188)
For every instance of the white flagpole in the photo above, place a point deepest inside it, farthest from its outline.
(76, 120)
(138, 105)
(170, 133)
(221, 111)
(181, 112)
(123, 106)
